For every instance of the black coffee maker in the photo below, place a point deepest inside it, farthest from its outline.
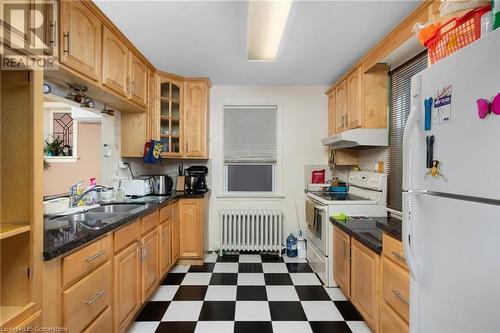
(195, 179)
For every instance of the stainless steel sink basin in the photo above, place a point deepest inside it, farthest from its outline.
(89, 220)
(114, 209)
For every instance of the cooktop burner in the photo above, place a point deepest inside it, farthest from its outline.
(338, 196)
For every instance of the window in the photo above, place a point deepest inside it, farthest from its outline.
(250, 149)
(399, 111)
(60, 135)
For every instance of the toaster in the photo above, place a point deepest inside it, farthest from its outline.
(139, 186)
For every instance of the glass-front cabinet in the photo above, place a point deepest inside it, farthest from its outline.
(170, 111)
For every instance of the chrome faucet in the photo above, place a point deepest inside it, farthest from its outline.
(74, 197)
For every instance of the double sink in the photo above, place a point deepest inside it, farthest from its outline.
(99, 217)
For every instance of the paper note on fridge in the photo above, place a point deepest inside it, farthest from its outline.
(442, 106)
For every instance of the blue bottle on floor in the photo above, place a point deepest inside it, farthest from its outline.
(291, 246)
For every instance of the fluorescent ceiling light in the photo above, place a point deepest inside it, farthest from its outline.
(265, 25)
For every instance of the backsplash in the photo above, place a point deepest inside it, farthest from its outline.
(166, 166)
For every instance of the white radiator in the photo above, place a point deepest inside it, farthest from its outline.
(250, 230)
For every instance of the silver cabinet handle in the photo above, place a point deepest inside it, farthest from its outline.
(95, 256)
(139, 252)
(347, 119)
(97, 296)
(132, 87)
(66, 42)
(400, 296)
(399, 256)
(53, 33)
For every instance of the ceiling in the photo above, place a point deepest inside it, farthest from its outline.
(322, 39)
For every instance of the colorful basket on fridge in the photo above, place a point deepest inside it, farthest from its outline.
(455, 34)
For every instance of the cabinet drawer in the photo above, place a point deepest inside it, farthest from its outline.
(102, 324)
(393, 249)
(391, 322)
(84, 301)
(165, 213)
(127, 235)
(395, 287)
(149, 222)
(79, 264)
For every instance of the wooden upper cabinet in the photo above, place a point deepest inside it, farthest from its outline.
(114, 63)
(331, 113)
(353, 114)
(138, 78)
(341, 260)
(80, 36)
(361, 100)
(365, 283)
(196, 118)
(340, 106)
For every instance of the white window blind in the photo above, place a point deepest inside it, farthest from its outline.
(250, 134)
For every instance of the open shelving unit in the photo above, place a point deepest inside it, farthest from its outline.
(170, 106)
(21, 200)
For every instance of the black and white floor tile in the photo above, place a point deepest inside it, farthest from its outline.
(247, 293)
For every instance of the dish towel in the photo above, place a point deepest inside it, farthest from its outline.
(310, 220)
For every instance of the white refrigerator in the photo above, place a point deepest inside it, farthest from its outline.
(451, 220)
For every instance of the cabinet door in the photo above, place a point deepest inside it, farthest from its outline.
(341, 260)
(331, 113)
(353, 115)
(340, 107)
(134, 133)
(149, 263)
(175, 232)
(391, 322)
(127, 281)
(114, 63)
(138, 80)
(165, 255)
(196, 119)
(190, 228)
(102, 324)
(364, 283)
(80, 37)
(153, 110)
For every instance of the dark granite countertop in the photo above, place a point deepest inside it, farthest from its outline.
(390, 226)
(63, 236)
(363, 230)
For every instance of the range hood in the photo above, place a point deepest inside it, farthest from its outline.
(358, 138)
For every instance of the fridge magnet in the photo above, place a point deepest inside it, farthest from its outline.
(484, 107)
(428, 113)
(435, 171)
(442, 106)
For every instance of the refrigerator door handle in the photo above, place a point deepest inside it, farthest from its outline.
(406, 236)
(411, 123)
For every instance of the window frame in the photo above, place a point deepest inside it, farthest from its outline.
(49, 134)
(277, 166)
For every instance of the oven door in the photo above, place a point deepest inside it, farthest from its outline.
(317, 233)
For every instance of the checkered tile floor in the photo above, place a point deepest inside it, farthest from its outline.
(247, 293)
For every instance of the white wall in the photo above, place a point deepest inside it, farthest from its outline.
(304, 111)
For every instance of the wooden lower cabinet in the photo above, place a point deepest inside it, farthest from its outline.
(390, 322)
(191, 228)
(365, 283)
(149, 263)
(165, 251)
(103, 323)
(127, 285)
(85, 300)
(175, 232)
(341, 260)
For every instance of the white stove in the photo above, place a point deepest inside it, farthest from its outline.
(366, 197)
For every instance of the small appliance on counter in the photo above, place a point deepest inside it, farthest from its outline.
(162, 184)
(195, 179)
(139, 186)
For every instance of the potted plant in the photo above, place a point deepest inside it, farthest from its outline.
(53, 146)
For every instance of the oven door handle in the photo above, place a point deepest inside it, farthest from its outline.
(322, 208)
